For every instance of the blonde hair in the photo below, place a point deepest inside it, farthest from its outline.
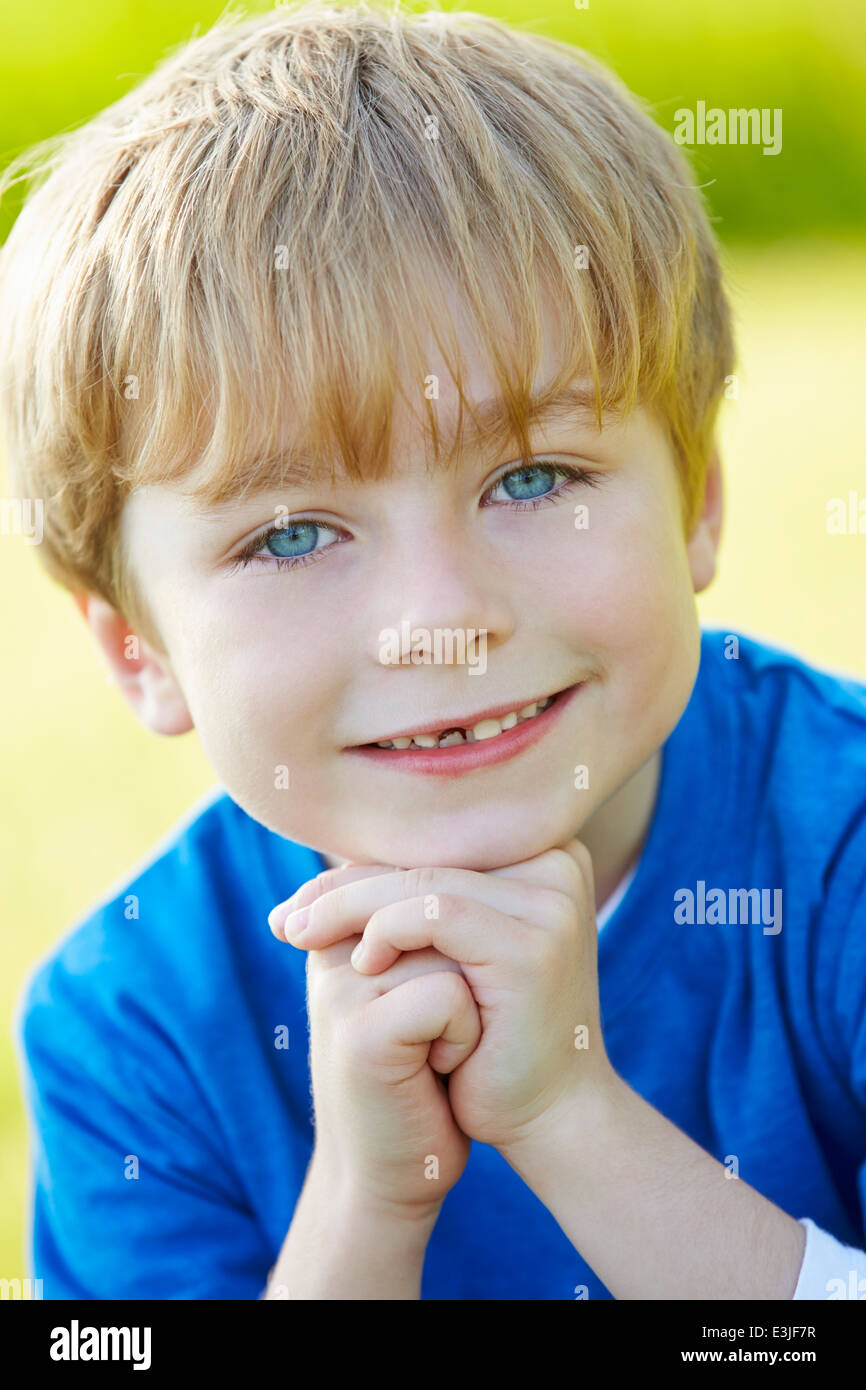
(258, 231)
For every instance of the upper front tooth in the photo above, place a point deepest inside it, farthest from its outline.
(401, 742)
(487, 728)
(528, 709)
(426, 740)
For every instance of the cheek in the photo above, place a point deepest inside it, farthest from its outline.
(626, 578)
(629, 603)
(254, 676)
(656, 633)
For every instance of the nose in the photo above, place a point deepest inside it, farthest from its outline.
(440, 578)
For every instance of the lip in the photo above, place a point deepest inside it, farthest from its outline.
(467, 757)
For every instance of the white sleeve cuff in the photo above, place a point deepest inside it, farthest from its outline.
(830, 1269)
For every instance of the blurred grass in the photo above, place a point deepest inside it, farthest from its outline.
(795, 439)
(60, 63)
(89, 791)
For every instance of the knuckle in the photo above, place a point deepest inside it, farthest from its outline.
(420, 882)
(325, 880)
(444, 965)
(457, 987)
(453, 909)
(445, 986)
(559, 911)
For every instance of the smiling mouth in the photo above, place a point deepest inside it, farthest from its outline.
(481, 732)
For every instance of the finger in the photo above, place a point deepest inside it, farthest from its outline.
(421, 962)
(466, 931)
(314, 887)
(437, 1008)
(554, 869)
(346, 909)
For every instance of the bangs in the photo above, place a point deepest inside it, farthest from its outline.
(307, 361)
(290, 282)
(229, 279)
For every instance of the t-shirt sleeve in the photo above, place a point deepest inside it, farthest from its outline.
(830, 1269)
(132, 1197)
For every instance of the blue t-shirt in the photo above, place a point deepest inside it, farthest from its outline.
(149, 1031)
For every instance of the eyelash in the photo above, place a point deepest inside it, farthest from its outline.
(252, 553)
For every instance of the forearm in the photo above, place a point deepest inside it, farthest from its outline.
(653, 1214)
(338, 1247)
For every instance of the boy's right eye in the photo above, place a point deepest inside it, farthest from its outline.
(291, 534)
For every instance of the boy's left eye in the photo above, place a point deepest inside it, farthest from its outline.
(518, 479)
(531, 482)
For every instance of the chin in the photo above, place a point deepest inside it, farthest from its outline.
(481, 854)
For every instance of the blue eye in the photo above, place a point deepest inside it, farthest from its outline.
(293, 543)
(537, 479)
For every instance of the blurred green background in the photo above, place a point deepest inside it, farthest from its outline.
(89, 791)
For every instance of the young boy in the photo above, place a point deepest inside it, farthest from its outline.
(450, 676)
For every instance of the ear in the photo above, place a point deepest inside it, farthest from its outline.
(704, 541)
(143, 675)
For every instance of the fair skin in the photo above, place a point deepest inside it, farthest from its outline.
(279, 668)
(302, 663)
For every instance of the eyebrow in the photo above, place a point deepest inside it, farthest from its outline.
(493, 422)
(490, 426)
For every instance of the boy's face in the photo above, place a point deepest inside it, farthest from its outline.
(280, 670)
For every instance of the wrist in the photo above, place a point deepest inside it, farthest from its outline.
(344, 1243)
(355, 1202)
(578, 1122)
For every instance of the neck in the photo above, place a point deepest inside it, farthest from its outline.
(615, 835)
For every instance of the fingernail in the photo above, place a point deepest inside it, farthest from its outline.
(358, 952)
